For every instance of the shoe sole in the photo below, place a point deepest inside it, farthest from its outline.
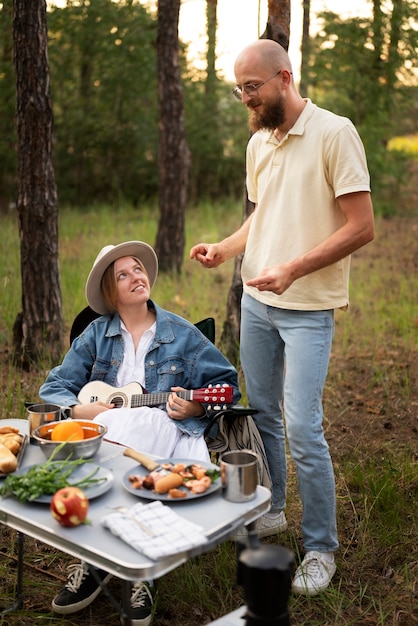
(303, 591)
(269, 532)
(266, 532)
(79, 606)
(146, 621)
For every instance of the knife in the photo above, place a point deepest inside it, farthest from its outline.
(143, 459)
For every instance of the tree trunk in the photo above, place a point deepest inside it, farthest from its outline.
(386, 44)
(277, 29)
(38, 327)
(278, 22)
(394, 61)
(174, 158)
(211, 79)
(304, 66)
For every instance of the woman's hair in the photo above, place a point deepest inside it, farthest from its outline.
(108, 284)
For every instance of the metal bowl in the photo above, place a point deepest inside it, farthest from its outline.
(85, 448)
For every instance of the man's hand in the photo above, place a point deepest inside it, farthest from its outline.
(213, 254)
(276, 278)
(207, 254)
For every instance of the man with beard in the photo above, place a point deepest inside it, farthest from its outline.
(307, 175)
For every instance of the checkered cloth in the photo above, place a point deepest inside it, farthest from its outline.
(173, 533)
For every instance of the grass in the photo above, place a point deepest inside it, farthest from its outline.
(370, 406)
(195, 294)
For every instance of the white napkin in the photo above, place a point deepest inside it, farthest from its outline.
(173, 533)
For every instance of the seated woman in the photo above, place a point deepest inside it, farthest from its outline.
(135, 340)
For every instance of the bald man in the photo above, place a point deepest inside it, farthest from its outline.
(307, 175)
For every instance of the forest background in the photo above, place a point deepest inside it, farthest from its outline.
(108, 109)
(103, 70)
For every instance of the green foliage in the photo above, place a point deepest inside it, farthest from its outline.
(104, 89)
(217, 134)
(103, 69)
(364, 69)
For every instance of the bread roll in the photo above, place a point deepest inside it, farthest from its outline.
(8, 461)
(4, 430)
(12, 441)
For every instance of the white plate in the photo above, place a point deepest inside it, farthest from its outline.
(148, 494)
(21, 424)
(82, 471)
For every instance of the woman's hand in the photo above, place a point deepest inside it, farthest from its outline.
(89, 411)
(180, 409)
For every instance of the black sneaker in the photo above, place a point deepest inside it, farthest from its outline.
(141, 604)
(80, 589)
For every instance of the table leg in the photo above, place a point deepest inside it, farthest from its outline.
(105, 589)
(253, 540)
(124, 610)
(126, 602)
(19, 580)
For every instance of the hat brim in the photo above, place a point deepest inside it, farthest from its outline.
(138, 249)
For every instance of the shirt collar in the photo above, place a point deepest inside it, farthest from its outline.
(298, 127)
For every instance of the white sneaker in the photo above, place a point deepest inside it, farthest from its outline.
(313, 574)
(269, 524)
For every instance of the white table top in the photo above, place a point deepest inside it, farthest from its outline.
(96, 545)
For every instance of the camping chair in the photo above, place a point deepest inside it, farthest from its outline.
(87, 315)
(232, 428)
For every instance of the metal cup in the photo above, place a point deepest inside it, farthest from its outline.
(239, 474)
(39, 414)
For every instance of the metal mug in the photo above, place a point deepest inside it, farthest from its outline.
(239, 475)
(39, 414)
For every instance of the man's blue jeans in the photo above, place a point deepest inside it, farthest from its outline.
(285, 356)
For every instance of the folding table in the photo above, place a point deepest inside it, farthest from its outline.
(97, 546)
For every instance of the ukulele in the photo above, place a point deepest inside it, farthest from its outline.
(134, 395)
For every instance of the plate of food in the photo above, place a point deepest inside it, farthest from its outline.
(38, 483)
(179, 480)
(12, 447)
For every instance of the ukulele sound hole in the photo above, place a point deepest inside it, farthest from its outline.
(118, 401)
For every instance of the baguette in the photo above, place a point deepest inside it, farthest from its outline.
(8, 461)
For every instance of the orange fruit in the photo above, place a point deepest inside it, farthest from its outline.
(67, 431)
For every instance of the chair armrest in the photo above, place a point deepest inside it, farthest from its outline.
(231, 413)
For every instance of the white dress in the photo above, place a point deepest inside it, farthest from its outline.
(147, 429)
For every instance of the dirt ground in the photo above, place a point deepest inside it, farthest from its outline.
(371, 399)
(372, 395)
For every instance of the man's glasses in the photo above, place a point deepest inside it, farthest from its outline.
(251, 90)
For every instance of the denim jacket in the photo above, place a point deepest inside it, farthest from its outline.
(180, 355)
